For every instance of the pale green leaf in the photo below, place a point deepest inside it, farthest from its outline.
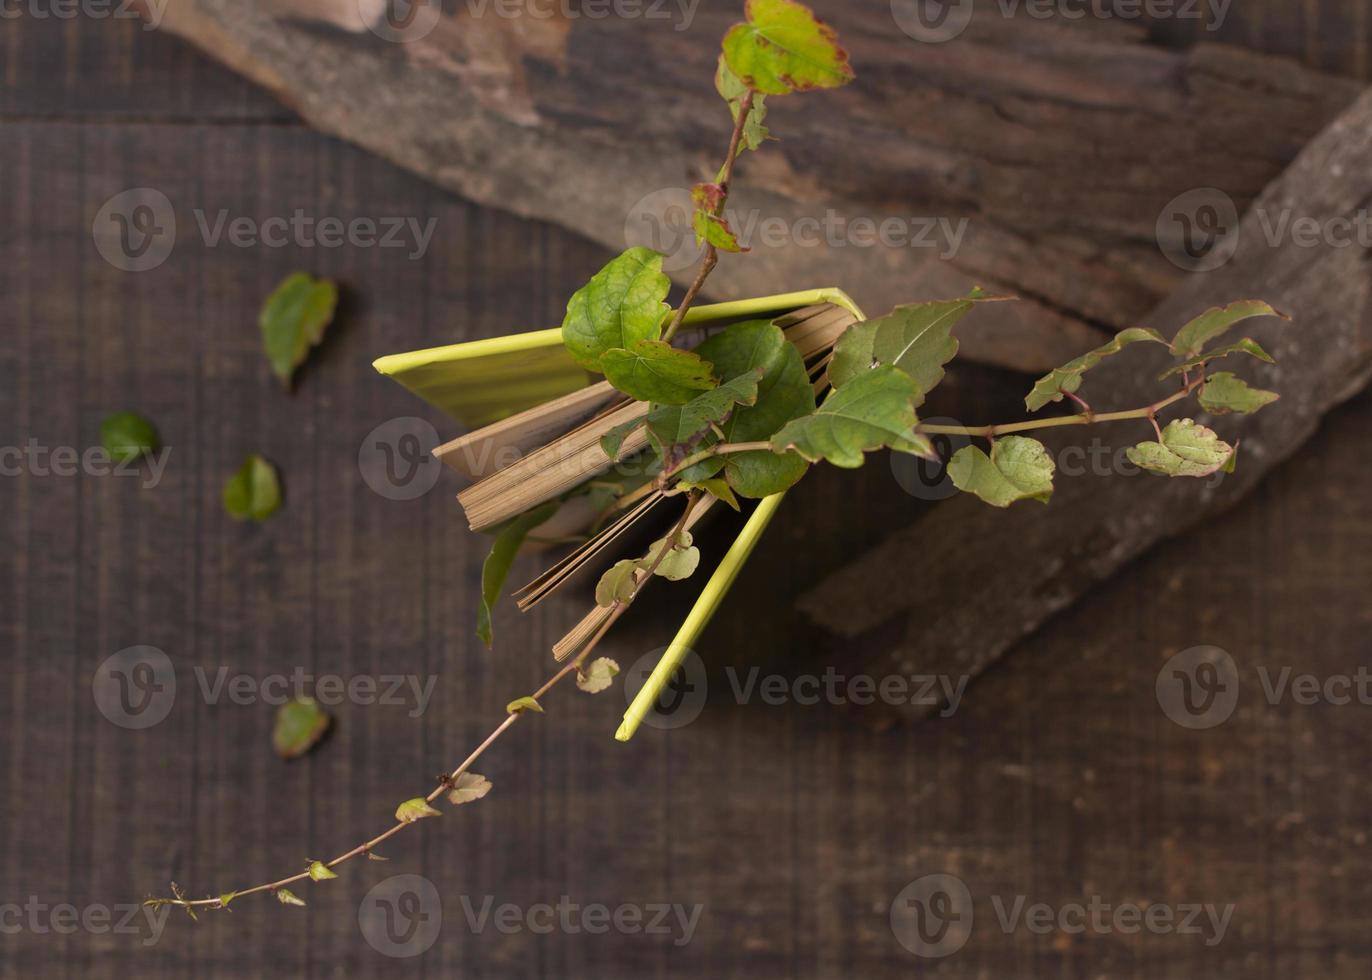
(617, 584)
(226, 898)
(509, 537)
(300, 724)
(1224, 392)
(612, 440)
(873, 410)
(523, 704)
(652, 371)
(732, 89)
(783, 393)
(680, 560)
(293, 319)
(319, 871)
(1067, 379)
(287, 897)
(1187, 449)
(674, 429)
(1247, 346)
(1192, 338)
(128, 437)
(254, 492)
(598, 676)
(468, 787)
(783, 48)
(715, 487)
(416, 809)
(622, 304)
(1017, 469)
(915, 338)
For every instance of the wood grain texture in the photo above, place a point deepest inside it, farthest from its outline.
(1048, 148)
(795, 827)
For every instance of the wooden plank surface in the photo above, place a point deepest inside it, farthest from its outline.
(1059, 778)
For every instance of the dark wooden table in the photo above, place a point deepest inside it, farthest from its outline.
(1059, 779)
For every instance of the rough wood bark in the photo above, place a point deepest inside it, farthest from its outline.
(990, 577)
(1059, 145)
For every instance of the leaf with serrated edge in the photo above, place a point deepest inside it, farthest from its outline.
(293, 319)
(415, 809)
(784, 48)
(622, 304)
(873, 410)
(598, 676)
(715, 230)
(652, 371)
(496, 568)
(1192, 338)
(468, 787)
(673, 429)
(784, 393)
(1067, 379)
(916, 338)
(1224, 393)
(1017, 469)
(1247, 346)
(525, 703)
(1187, 449)
(732, 90)
(617, 584)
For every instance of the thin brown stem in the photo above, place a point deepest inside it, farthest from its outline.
(991, 431)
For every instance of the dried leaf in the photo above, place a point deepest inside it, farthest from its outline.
(598, 676)
(469, 786)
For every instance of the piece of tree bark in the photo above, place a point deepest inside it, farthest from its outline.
(1058, 145)
(993, 576)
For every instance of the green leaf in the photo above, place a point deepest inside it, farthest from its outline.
(715, 230)
(1224, 392)
(523, 704)
(732, 89)
(612, 440)
(254, 492)
(783, 393)
(1017, 469)
(915, 338)
(127, 437)
(496, 568)
(300, 724)
(1186, 449)
(319, 871)
(598, 676)
(293, 319)
(652, 371)
(717, 488)
(287, 897)
(783, 48)
(1192, 338)
(872, 410)
(226, 898)
(617, 584)
(415, 810)
(622, 304)
(468, 787)
(674, 429)
(1067, 379)
(1247, 346)
(680, 561)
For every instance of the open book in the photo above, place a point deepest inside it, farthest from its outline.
(537, 421)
